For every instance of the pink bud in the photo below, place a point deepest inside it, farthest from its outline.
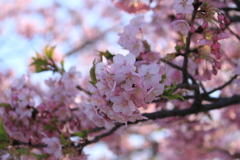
(15, 97)
(217, 64)
(216, 46)
(226, 20)
(207, 74)
(214, 71)
(222, 25)
(218, 55)
(205, 25)
(215, 37)
(220, 17)
(192, 29)
(179, 15)
(72, 125)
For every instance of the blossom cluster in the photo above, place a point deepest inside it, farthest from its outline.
(58, 113)
(129, 40)
(122, 87)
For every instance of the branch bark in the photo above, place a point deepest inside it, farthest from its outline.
(220, 103)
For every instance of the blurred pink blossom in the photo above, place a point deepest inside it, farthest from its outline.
(181, 26)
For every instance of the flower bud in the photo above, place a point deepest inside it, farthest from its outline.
(207, 74)
(179, 15)
(214, 71)
(218, 55)
(205, 25)
(192, 29)
(226, 20)
(217, 64)
(220, 17)
(216, 46)
(222, 25)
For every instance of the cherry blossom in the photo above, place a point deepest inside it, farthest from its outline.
(150, 75)
(26, 97)
(135, 46)
(181, 26)
(20, 82)
(71, 78)
(153, 93)
(53, 146)
(127, 61)
(123, 104)
(128, 77)
(183, 6)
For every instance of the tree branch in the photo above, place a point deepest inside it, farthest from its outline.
(230, 9)
(223, 86)
(187, 45)
(220, 103)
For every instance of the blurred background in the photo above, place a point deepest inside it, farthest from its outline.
(78, 29)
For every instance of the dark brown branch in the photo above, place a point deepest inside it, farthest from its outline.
(220, 103)
(97, 138)
(85, 91)
(188, 86)
(203, 88)
(237, 2)
(229, 9)
(187, 45)
(224, 85)
(237, 36)
(37, 145)
(234, 18)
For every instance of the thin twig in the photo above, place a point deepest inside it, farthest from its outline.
(85, 91)
(223, 86)
(188, 41)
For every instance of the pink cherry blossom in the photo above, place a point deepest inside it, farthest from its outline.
(97, 117)
(137, 22)
(135, 46)
(53, 146)
(71, 78)
(23, 112)
(127, 77)
(151, 56)
(63, 113)
(100, 69)
(222, 35)
(181, 26)
(105, 88)
(183, 6)
(154, 92)
(120, 61)
(204, 42)
(20, 82)
(26, 97)
(123, 104)
(150, 75)
(128, 32)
